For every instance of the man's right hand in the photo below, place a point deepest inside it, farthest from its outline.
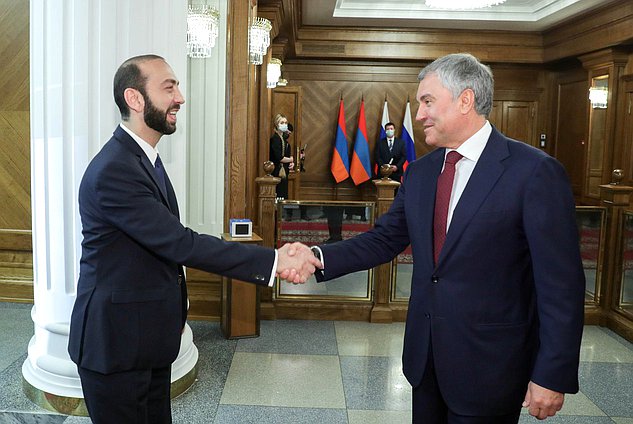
(296, 263)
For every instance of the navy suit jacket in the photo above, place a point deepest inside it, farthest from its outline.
(397, 156)
(504, 304)
(131, 295)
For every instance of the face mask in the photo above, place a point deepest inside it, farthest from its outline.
(283, 127)
(390, 133)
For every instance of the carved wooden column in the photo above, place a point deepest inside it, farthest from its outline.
(616, 198)
(266, 224)
(381, 311)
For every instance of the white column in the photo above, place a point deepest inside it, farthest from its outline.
(206, 98)
(76, 47)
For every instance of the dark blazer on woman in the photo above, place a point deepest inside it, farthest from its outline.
(278, 150)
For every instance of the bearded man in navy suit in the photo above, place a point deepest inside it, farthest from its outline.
(131, 301)
(496, 309)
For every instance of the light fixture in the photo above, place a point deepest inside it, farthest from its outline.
(202, 30)
(258, 40)
(282, 82)
(462, 4)
(598, 97)
(273, 72)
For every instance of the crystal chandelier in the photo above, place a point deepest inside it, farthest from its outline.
(273, 72)
(462, 4)
(202, 30)
(258, 40)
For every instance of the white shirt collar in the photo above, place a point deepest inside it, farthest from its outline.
(150, 152)
(473, 147)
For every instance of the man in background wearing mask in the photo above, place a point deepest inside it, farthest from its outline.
(391, 150)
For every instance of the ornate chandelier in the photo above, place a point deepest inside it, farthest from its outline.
(202, 30)
(462, 4)
(258, 40)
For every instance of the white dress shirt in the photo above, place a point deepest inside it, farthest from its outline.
(471, 150)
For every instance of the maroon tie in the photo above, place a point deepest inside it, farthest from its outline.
(442, 199)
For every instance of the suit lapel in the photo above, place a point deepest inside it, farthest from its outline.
(125, 138)
(484, 177)
(424, 209)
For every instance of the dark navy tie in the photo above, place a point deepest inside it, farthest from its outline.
(160, 173)
(442, 200)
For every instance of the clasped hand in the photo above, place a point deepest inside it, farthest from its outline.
(296, 263)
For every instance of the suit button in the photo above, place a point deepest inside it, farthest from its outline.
(428, 316)
(179, 279)
(435, 279)
(260, 277)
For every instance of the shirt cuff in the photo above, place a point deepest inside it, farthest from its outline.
(273, 273)
(320, 255)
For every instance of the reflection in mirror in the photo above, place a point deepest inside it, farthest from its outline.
(597, 132)
(314, 223)
(591, 224)
(403, 270)
(626, 294)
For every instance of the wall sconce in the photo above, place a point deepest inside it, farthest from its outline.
(273, 72)
(202, 30)
(598, 97)
(258, 40)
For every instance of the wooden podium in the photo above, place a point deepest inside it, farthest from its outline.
(240, 301)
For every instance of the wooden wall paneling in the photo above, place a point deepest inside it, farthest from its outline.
(15, 166)
(571, 130)
(204, 291)
(519, 121)
(609, 63)
(608, 26)
(625, 131)
(16, 266)
(14, 50)
(16, 258)
(424, 44)
(240, 137)
(15, 170)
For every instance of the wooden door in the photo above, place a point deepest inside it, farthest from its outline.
(571, 130)
(519, 121)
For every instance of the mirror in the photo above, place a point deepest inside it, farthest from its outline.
(401, 278)
(626, 293)
(314, 223)
(591, 223)
(598, 97)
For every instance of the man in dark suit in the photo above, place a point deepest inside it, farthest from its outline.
(392, 151)
(496, 309)
(131, 301)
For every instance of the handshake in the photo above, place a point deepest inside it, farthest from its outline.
(296, 263)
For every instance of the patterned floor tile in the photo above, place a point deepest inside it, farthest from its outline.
(308, 381)
(366, 339)
(375, 383)
(276, 415)
(293, 337)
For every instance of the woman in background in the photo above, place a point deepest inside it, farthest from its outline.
(280, 155)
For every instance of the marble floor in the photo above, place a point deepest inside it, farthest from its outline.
(317, 372)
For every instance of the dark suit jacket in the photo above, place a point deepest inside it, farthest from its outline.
(504, 305)
(131, 295)
(276, 154)
(382, 155)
